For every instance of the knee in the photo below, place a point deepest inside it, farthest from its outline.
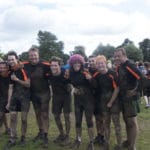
(131, 123)
(67, 116)
(24, 121)
(89, 122)
(13, 118)
(57, 117)
(45, 116)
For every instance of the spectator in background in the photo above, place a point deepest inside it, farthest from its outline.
(146, 90)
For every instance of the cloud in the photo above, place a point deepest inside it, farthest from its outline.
(80, 22)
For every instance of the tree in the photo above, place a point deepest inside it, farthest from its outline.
(23, 56)
(126, 42)
(49, 45)
(133, 52)
(2, 55)
(145, 47)
(79, 50)
(107, 50)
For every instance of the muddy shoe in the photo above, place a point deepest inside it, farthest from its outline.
(45, 142)
(66, 141)
(9, 144)
(75, 144)
(60, 138)
(38, 137)
(125, 144)
(22, 141)
(90, 146)
(97, 139)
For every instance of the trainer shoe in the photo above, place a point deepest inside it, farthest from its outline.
(59, 138)
(45, 142)
(75, 144)
(125, 144)
(66, 141)
(38, 137)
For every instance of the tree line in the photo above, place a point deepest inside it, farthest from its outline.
(49, 45)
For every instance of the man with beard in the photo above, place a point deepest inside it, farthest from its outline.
(40, 92)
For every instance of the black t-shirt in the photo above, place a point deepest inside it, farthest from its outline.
(4, 85)
(129, 76)
(38, 76)
(78, 79)
(59, 83)
(106, 83)
(22, 75)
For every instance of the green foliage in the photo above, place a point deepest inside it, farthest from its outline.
(107, 50)
(79, 50)
(2, 55)
(145, 47)
(133, 52)
(23, 56)
(49, 46)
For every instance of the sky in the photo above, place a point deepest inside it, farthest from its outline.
(75, 22)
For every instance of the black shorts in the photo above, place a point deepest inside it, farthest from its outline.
(84, 102)
(19, 105)
(146, 91)
(61, 102)
(40, 101)
(97, 109)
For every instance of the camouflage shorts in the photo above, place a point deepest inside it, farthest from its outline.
(130, 107)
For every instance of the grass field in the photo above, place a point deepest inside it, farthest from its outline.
(143, 141)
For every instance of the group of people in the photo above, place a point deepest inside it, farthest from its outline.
(96, 90)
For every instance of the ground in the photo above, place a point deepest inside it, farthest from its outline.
(143, 142)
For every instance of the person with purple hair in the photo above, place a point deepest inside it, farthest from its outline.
(83, 99)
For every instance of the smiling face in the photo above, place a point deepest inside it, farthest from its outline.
(101, 66)
(3, 68)
(92, 62)
(55, 67)
(77, 66)
(33, 57)
(12, 60)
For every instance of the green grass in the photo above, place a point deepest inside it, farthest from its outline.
(143, 142)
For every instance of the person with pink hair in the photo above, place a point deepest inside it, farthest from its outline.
(83, 99)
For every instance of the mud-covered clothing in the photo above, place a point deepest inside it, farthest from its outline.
(129, 79)
(83, 98)
(146, 90)
(37, 74)
(20, 100)
(106, 84)
(4, 85)
(39, 86)
(95, 92)
(61, 99)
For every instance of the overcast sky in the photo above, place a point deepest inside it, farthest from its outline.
(75, 22)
